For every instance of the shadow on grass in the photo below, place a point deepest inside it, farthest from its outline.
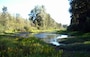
(76, 47)
(74, 40)
(77, 43)
(76, 54)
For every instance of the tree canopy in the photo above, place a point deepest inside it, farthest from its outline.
(41, 19)
(80, 15)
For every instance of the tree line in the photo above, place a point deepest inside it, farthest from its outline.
(38, 19)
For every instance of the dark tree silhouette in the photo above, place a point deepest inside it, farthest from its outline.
(80, 15)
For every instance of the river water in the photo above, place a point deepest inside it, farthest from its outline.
(50, 38)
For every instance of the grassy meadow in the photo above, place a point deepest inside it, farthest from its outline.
(11, 46)
(14, 46)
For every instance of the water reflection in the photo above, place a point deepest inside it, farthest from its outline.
(50, 37)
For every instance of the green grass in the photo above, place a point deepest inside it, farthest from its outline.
(11, 46)
(70, 33)
(26, 47)
(47, 30)
(76, 54)
(77, 46)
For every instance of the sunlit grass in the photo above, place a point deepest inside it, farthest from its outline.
(47, 30)
(26, 47)
(87, 42)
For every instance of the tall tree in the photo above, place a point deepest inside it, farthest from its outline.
(41, 19)
(80, 18)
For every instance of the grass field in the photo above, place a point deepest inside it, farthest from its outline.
(11, 46)
(14, 46)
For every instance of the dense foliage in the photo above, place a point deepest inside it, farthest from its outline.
(80, 15)
(9, 23)
(39, 20)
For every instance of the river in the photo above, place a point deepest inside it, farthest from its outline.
(51, 38)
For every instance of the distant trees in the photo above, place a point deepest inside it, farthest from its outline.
(4, 9)
(10, 23)
(41, 19)
(80, 18)
(4, 18)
